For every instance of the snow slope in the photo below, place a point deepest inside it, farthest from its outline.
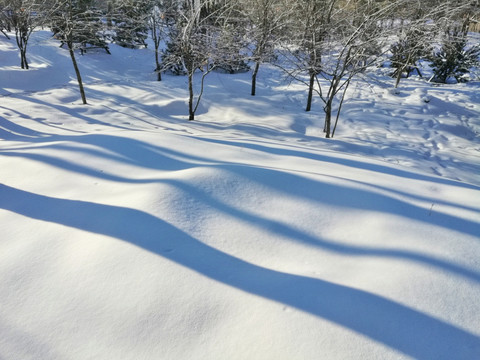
(127, 232)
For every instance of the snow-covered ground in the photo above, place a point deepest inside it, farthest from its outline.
(127, 232)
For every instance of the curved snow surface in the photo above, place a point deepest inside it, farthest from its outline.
(127, 232)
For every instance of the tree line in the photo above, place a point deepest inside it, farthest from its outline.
(322, 43)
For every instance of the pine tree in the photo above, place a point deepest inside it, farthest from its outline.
(80, 23)
(90, 30)
(172, 55)
(455, 58)
(130, 21)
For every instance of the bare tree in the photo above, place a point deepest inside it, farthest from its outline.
(23, 16)
(267, 21)
(313, 19)
(156, 18)
(193, 44)
(232, 40)
(67, 22)
(160, 16)
(412, 46)
(4, 24)
(423, 25)
(338, 41)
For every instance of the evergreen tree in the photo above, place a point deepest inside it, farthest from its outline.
(455, 58)
(90, 30)
(130, 20)
(172, 61)
(85, 26)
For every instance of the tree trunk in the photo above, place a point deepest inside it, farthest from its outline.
(22, 46)
(328, 118)
(156, 41)
(157, 63)
(418, 71)
(310, 91)
(23, 59)
(347, 84)
(191, 111)
(77, 72)
(4, 33)
(24, 49)
(399, 76)
(254, 78)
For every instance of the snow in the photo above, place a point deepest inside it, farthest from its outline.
(127, 232)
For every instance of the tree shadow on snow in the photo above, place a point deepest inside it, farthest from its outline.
(11, 131)
(138, 153)
(407, 330)
(369, 166)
